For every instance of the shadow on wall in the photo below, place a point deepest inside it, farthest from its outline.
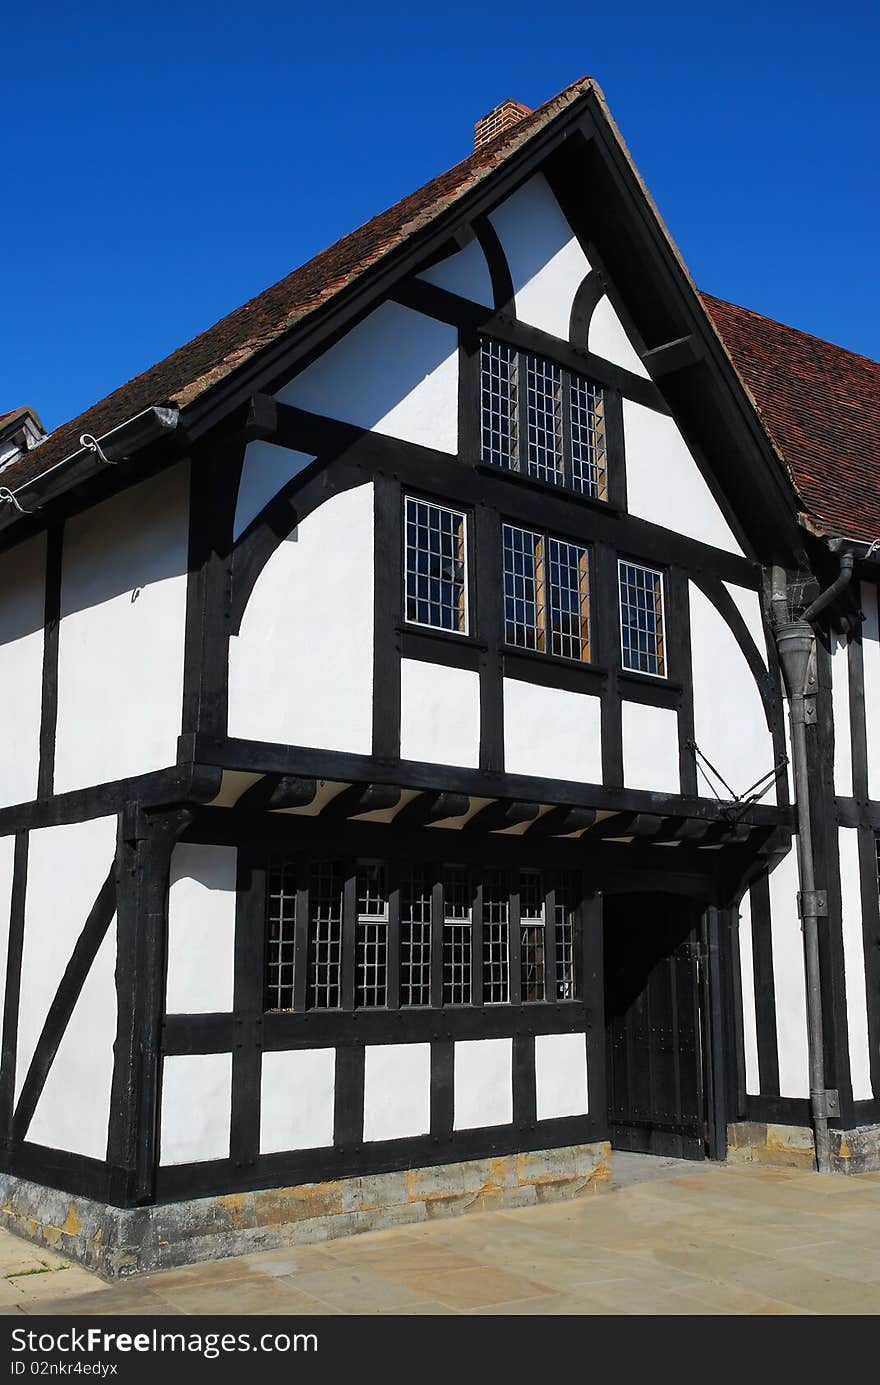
(128, 544)
(396, 371)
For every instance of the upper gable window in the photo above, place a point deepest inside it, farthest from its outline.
(541, 420)
(642, 632)
(436, 566)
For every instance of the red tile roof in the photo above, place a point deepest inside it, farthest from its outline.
(821, 406)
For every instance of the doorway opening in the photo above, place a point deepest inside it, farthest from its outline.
(656, 1025)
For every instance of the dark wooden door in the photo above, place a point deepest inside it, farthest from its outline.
(655, 1034)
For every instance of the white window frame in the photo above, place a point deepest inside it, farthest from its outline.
(462, 515)
(654, 572)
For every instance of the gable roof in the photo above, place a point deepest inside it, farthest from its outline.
(819, 405)
(193, 369)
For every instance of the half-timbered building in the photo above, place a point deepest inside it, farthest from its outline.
(396, 799)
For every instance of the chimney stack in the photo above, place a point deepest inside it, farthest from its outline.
(502, 118)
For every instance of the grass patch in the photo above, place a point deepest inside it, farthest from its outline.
(42, 1268)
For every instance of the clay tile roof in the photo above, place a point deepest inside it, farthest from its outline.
(191, 370)
(821, 407)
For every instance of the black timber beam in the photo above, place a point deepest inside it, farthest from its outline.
(432, 807)
(561, 822)
(496, 816)
(671, 356)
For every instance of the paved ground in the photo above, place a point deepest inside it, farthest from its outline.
(672, 1238)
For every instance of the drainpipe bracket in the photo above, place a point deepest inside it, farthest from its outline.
(810, 709)
(826, 1103)
(813, 904)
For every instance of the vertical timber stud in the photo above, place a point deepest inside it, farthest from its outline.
(820, 769)
(13, 983)
(714, 921)
(247, 1056)
(590, 984)
(214, 483)
(387, 615)
(145, 843)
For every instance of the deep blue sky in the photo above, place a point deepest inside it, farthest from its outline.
(163, 163)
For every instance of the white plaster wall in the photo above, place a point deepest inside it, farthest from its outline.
(66, 868)
(552, 732)
(843, 778)
(663, 482)
(439, 714)
(561, 1075)
(465, 273)
(7, 859)
(395, 373)
(265, 470)
(748, 603)
(607, 338)
(730, 727)
(788, 979)
(196, 1107)
(650, 748)
(397, 1091)
(298, 1090)
(483, 1083)
(871, 656)
(201, 929)
(301, 669)
(73, 1112)
(854, 964)
(22, 612)
(120, 649)
(749, 1010)
(546, 262)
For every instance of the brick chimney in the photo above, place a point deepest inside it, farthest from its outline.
(502, 118)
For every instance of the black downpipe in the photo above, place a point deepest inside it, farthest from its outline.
(796, 644)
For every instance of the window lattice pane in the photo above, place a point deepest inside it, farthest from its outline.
(372, 936)
(544, 386)
(569, 600)
(531, 924)
(457, 934)
(498, 404)
(280, 926)
(523, 588)
(641, 619)
(435, 566)
(563, 908)
(415, 937)
(589, 472)
(325, 936)
(496, 950)
(545, 583)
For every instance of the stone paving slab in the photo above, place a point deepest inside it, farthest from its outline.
(670, 1238)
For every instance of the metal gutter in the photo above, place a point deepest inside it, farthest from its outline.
(93, 455)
